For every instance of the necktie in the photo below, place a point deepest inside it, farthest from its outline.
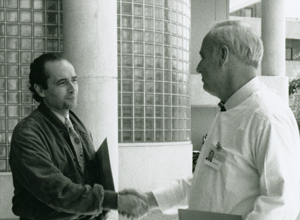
(75, 142)
(221, 105)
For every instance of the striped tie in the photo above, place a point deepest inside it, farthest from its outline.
(75, 139)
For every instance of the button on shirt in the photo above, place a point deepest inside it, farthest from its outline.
(259, 177)
(74, 137)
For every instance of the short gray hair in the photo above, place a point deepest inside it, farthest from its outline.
(240, 39)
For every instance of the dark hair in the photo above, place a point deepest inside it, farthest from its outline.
(38, 75)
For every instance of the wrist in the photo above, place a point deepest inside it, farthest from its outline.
(110, 200)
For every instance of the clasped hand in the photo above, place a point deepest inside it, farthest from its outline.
(132, 204)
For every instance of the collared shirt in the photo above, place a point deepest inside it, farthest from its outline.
(60, 117)
(258, 173)
(243, 93)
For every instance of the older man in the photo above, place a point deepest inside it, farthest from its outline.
(52, 157)
(254, 170)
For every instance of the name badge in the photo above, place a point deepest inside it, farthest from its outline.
(215, 156)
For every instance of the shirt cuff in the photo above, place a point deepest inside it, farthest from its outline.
(110, 200)
(164, 198)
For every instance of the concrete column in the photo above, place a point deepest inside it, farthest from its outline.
(90, 44)
(273, 37)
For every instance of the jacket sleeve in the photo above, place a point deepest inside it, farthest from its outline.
(277, 156)
(32, 166)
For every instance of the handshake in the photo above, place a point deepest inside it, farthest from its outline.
(134, 204)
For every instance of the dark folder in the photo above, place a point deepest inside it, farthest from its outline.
(186, 214)
(104, 168)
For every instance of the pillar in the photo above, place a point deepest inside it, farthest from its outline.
(273, 37)
(90, 44)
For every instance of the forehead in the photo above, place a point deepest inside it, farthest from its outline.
(59, 68)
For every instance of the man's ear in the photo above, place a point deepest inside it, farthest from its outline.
(39, 90)
(224, 55)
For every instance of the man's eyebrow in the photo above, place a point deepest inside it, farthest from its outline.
(59, 80)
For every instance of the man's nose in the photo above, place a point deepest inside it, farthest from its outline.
(71, 87)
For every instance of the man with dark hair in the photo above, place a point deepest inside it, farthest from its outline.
(38, 75)
(52, 157)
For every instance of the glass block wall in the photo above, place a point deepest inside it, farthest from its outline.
(27, 29)
(153, 66)
(153, 70)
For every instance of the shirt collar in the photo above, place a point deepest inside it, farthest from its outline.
(243, 93)
(60, 117)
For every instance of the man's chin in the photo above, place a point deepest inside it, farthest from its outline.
(208, 91)
(72, 106)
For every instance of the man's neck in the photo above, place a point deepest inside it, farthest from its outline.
(237, 80)
(62, 114)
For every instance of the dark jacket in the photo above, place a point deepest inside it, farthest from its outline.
(47, 178)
